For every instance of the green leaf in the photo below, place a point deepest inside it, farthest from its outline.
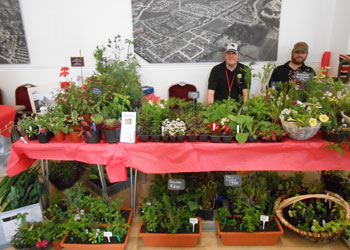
(242, 137)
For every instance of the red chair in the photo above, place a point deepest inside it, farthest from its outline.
(181, 90)
(22, 97)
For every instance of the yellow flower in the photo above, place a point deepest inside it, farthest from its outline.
(324, 118)
(313, 122)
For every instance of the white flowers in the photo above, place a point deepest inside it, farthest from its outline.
(313, 122)
(224, 121)
(323, 118)
(174, 127)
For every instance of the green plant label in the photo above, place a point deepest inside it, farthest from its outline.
(176, 184)
(233, 180)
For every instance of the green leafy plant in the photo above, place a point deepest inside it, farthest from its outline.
(28, 125)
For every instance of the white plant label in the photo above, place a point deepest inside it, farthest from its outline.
(214, 125)
(193, 221)
(264, 219)
(237, 129)
(108, 235)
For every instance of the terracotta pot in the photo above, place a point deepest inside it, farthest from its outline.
(75, 137)
(60, 136)
(171, 240)
(74, 246)
(246, 238)
(56, 245)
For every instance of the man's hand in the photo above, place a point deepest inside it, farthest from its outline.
(210, 96)
(245, 95)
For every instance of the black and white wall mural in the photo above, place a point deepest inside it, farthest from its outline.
(173, 31)
(13, 46)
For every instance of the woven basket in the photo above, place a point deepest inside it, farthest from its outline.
(320, 237)
(299, 134)
(346, 118)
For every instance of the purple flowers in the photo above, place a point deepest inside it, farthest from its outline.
(294, 102)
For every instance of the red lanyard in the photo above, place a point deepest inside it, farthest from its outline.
(228, 82)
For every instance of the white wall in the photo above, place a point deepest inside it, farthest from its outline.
(58, 29)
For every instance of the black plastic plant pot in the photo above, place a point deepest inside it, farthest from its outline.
(155, 138)
(180, 138)
(165, 138)
(227, 139)
(144, 138)
(44, 137)
(333, 137)
(112, 135)
(252, 139)
(192, 138)
(203, 138)
(215, 138)
(93, 136)
(172, 138)
(207, 214)
(32, 137)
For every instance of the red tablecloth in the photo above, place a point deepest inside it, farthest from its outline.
(184, 157)
(7, 114)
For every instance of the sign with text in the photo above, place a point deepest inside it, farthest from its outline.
(176, 184)
(193, 94)
(303, 76)
(128, 129)
(232, 180)
(96, 91)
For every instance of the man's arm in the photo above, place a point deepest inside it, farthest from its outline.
(210, 96)
(245, 95)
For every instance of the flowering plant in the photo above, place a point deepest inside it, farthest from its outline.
(221, 128)
(174, 127)
(304, 114)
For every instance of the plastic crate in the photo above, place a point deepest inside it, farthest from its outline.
(9, 223)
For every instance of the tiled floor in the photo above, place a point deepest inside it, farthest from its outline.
(211, 241)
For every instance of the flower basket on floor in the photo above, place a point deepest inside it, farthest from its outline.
(299, 133)
(284, 207)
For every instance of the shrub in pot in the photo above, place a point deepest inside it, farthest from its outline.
(63, 174)
(208, 199)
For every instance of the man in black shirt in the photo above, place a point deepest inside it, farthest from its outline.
(286, 72)
(227, 79)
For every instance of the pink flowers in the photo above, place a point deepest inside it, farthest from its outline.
(294, 102)
(41, 244)
(42, 130)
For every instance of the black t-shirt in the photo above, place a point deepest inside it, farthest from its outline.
(284, 73)
(218, 81)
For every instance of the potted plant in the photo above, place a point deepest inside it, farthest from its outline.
(167, 224)
(94, 223)
(112, 107)
(45, 126)
(74, 123)
(249, 203)
(270, 132)
(208, 192)
(20, 194)
(28, 125)
(175, 129)
(63, 174)
(59, 125)
(91, 128)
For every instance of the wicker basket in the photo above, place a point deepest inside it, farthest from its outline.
(320, 237)
(346, 118)
(297, 133)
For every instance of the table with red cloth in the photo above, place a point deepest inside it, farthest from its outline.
(7, 115)
(152, 157)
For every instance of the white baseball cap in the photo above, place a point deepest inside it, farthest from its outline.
(232, 47)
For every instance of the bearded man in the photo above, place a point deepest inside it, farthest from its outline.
(287, 71)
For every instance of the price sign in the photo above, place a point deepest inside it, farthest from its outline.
(96, 91)
(303, 76)
(108, 235)
(233, 180)
(264, 219)
(193, 221)
(193, 94)
(176, 184)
